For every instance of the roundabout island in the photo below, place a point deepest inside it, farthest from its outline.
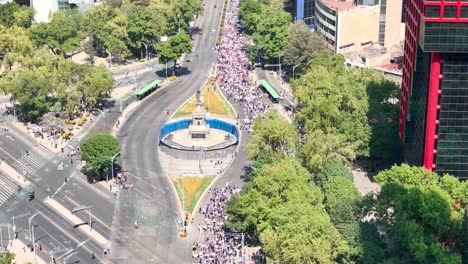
(195, 148)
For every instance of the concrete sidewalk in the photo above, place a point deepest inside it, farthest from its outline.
(13, 174)
(22, 253)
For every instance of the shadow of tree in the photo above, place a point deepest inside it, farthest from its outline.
(383, 114)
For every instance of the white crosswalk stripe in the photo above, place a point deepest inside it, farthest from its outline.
(7, 188)
(34, 160)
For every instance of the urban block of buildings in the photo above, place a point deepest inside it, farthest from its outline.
(369, 33)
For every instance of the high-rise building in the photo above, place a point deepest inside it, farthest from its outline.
(305, 12)
(434, 98)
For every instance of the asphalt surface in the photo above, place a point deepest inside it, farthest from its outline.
(152, 201)
(41, 166)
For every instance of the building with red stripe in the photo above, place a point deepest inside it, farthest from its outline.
(434, 97)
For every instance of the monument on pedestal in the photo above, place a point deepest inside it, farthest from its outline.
(199, 129)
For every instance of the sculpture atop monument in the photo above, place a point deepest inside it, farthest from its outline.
(199, 129)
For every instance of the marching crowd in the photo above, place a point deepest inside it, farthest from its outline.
(217, 246)
(233, 70)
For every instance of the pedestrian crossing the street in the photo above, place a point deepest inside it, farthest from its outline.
(33, 160)
(7, 188)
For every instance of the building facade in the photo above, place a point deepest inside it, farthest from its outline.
(305, 12)
(338, 21)
(44, 8)
(434, 100)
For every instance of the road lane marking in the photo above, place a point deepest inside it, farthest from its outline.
(9, 137)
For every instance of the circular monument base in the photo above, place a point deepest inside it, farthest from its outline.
(216, 139)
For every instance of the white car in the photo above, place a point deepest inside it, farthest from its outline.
(178, 64)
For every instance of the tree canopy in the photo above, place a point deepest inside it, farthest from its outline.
(267, 22)
(418, 214)
(98, 150)
(282, 192)
(333, 111)
(61, 34)
(303, 45)
(13, 14)
(272, 134)
(7, 258)
(173, 49)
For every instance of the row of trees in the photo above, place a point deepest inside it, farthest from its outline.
(39, 78)
(274, 35)
(124, 27)
(119, 27)
(300, 217)
(301, 203)
(39, 81)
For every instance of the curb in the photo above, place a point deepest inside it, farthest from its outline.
(174, 190)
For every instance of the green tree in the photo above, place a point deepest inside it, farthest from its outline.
(117, 37)
(98, 150)
(284, 209)
(173, 49)
(23, 17)
(15, 46)
(383, 115)
(303, 45)
(179, 13)
(61, 34)
(143, 27)
(333, 111)
(250, 13)
(96, 18)
(7, 258)
(272, 135)
(31, 85)
(271, 32)
(12, 14)
(417, 215)
(320, 147)
(114, 3)
(333, 168)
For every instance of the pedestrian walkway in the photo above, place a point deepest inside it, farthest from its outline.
(7, 188)
(33, 160)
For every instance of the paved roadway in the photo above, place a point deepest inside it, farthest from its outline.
(53, 230)
(152, 201)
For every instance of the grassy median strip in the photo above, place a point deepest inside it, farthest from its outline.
(215, 103)
(190, 189)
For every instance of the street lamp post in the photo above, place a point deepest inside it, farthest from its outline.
(84, 208)
(279, 62)
(29, 225)
(146, 48)
(34, 245)
(112, 165)
(166, 70)
(294, 67)
(31, 235)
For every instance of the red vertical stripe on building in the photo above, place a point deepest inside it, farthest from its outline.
(431, 115)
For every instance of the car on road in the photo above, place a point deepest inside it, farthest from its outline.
(178, 64)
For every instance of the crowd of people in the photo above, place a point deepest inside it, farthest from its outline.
(217, 246)
(233, 70)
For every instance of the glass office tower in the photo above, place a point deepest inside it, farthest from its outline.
(305, 11)
(434, 98)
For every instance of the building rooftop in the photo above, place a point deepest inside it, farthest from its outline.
(339, 5)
